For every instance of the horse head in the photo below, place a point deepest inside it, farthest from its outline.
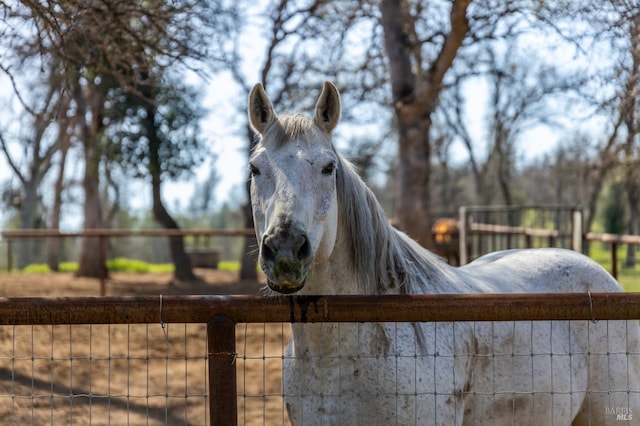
(293, 188)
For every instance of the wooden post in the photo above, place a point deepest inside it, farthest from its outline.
(103, 265)
(528, 241)
(462, 236)
(9, 255)
(614, 259)
(576, 230)
(221, 340)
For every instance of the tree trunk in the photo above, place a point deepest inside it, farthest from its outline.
(633, 229)
(89, 103)
(53, 244)
(414, 213)
(631, 112)
(415, 96)
(632, 183)
(27, 221)
(91, 255)
(183, 272)
(596, 175)
(181, 262)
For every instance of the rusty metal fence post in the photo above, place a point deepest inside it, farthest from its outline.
(221, 341)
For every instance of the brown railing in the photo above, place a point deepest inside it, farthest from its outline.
(222, 313)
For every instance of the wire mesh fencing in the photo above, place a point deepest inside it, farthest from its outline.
(224, 360)
(536, 378)
(103, 374)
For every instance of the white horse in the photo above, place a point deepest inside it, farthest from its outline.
(322, 232)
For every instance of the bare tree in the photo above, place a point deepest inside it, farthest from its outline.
(64, 144)
(416, 83)
(40, 142)
(520, 86)
(615, 29)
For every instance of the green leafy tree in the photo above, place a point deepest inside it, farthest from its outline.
(158, 138)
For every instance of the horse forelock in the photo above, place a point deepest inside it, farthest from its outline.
(290, 128)
(398, 265)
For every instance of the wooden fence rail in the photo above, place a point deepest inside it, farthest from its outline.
(104, 234)
(473, 228)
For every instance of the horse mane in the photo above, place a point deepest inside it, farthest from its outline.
(400, 264)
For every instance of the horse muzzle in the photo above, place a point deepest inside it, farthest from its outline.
(286, 258)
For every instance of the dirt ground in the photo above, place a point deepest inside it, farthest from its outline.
(140, 374)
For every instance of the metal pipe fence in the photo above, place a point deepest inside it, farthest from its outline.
(119, 342)
(484, 229)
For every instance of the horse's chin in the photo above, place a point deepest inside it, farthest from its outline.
(286, 287)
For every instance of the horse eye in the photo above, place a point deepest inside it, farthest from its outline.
(254, 170)
(329, 168)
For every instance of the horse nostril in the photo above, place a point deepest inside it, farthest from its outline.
(304, 251)
(267, 252)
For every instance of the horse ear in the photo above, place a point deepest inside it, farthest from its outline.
(327, 113)
(260, 111)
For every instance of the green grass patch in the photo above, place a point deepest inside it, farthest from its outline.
(229, 265)
(629, 278)
(160, 268)
(121, 264)
(118, 264)
(36, 268)
(68, 267)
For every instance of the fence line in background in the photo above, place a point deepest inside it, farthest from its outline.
(52, 233)
(467, 228)
(556, 224)
(104, 234)
(473, 226)
(614, 240)
(222, 313)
